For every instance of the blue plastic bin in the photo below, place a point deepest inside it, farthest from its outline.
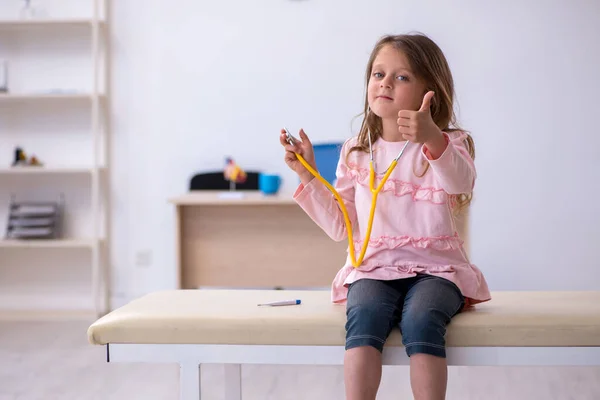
(327, 156)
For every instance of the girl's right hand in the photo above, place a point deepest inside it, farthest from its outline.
(303, 148)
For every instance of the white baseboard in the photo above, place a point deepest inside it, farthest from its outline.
(51, 301)
(27, 306)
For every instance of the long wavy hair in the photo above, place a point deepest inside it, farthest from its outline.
(429, 64)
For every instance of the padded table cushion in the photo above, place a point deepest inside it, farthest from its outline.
(233, 317)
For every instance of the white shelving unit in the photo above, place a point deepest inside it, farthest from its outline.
(49, 23)
(94, 173)
(49, 244)
(14, 98)
(46, 170)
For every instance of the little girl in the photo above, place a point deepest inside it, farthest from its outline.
(415, 273)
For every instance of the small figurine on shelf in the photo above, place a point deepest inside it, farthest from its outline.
(233, 173)
(35, 162)
(20, 157)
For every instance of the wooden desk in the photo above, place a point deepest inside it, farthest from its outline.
(253, 242)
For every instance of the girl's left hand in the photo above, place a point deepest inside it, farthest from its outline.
(418, 126)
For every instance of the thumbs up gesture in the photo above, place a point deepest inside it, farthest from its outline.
(418, 126)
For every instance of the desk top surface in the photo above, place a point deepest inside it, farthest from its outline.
(234, 317)
(211, 197)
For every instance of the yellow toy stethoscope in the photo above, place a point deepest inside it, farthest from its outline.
(375, 191)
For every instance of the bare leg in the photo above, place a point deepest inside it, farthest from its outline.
(428, 377)
(362, 373)
(372, 310)
(429, 306)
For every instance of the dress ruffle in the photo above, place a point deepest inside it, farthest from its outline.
(437, 243)
(467, 277)
(399, 188)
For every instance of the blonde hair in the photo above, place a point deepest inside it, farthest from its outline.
(429, 64)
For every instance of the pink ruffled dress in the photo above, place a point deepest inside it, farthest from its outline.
(413, 227)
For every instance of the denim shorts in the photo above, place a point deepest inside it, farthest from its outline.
(421, 306)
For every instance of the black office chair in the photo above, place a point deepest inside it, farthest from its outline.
(216, 181)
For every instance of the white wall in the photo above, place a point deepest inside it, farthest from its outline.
(196, 81)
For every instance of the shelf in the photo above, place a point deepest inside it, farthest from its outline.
(11, 97)
(83, 42)
(47, 23)
(45, 170)
(45, 244)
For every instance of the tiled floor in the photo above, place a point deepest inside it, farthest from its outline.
(53, 360)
